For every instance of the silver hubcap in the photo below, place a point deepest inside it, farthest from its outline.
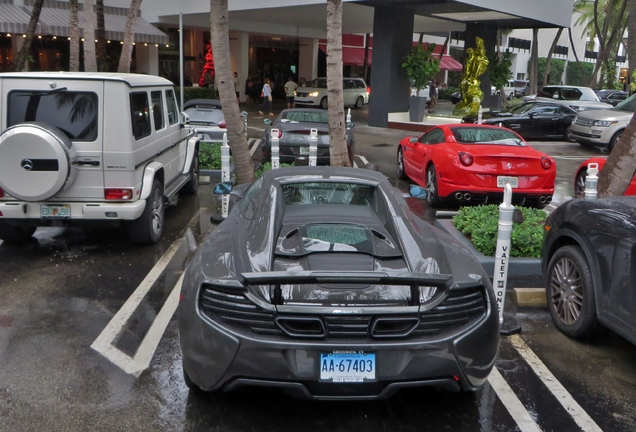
(157, 211)
(567, 291)
(430, 183)
(400, 163)
(580, 186)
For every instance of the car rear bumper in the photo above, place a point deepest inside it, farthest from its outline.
(220, 358)
(85, 211)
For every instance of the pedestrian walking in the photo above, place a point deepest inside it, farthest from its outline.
(290, 92)
(433, 95)
(266, 94)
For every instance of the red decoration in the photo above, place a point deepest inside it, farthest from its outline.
(208, 69)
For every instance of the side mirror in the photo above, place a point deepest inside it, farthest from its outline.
(532, 114)
(268, 121)
(350, 125)
(223, 188)
(185, 119)
(244, 114)
(418, 192)
(413, 140)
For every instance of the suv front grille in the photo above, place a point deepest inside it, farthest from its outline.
(583, 121)
(302, 94)
(230, 306)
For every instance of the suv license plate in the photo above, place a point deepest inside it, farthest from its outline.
(304, 151)
(55, 211)
(347, 367)
(502, 180)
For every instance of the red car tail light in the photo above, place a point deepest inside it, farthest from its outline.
(1, 193)
(368, 90)
(546, 163)
(118, 194)
(465, 158)
(280, 133)
(222, 125)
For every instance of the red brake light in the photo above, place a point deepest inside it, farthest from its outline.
(465, 158)
(118, 194)
(1, 193)
(368, 90)
(546, 162)
(280, 133)
(222, 125)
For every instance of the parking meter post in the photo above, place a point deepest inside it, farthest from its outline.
(480, 114)
(275, 149)
(591, 181)
(313, 147)
(509, 325)
(225, 175)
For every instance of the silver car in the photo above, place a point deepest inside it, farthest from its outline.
(576, 97)
(355, 93)
(603, 127)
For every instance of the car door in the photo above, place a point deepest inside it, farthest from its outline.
(542, 121)
(349, 91)
(421, 152)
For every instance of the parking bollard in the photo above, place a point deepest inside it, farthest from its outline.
(349, 116)
(480, 114)
(275, 149)
(313, 147)
(225, 175)
(591, 181)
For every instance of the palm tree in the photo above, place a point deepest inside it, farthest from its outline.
(100, 35)
(631, 38)
(30, 32)
(220, 34)
(74, 55)
(129, 36)
(546, 73)
(90, 61)
(339, 156)
(533, 69)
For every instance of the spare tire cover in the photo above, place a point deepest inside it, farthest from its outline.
(35, 161)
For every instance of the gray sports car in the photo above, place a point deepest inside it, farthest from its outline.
(322, 282)
(294, 127)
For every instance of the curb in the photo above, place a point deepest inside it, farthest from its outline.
(516, 266)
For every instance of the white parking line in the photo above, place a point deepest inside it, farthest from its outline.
(253, 144)
(363, 159)
(512, 403)
(571, 157)
(579, 415)
(256, 128)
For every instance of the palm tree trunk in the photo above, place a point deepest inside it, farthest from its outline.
(546, 73)
(576, 56)
(220, 34)
(100, 35)
(129, 37)
(90, 60)
(534, 60)
(74, 43)
(339, 156)
(366, 57)
(25, 51)
(631, 40)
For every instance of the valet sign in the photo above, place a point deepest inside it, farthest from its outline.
(502, 253)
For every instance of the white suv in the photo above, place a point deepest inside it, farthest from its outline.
(81, 149)
(355, 93)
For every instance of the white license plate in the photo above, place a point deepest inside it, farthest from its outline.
(304, 150)
(55, 211)
(347, 366)
(512, 181)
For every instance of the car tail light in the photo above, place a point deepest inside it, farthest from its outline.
(222, 125)
(1, 193)
(546, 162)
(465, 158)
(118, 194)
(280, 133)
(368, 90)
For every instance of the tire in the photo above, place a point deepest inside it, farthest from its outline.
(432, 197)
(401, 172)
(14, 234)
(324, 103)
(359, 102)
(191, 187)
(579, 183)
(568, 135)
(570, 293)
(147, 229)
(614, 140)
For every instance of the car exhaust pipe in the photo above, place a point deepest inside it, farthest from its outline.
(467, 196)
(458, 195)
(542, 199)
(548, 198)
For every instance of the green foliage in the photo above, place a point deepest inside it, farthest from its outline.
(480, 224)
(268, 166)
(557, 66)
(446, 93)
(210, 155)
(421, 66)
(499, 69)
(195, 93)
(574, 76)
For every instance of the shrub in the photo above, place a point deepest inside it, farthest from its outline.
(195, 93)
(210, 155)
(480, 224)
(268, 166)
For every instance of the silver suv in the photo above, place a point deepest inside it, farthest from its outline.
(576, 97)
(354, 90)
(603, 127)
(81, 149)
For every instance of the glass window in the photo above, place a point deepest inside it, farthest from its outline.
(157, 109)
(482, 135)
(173, 110)
(318, 83)
(434, 136)
(75, 113)
(246, 209)
(328, 193)
(360, 84)
(140, 114)
(305, 116)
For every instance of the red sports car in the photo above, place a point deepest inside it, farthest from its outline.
(471, 163)
(581, 173)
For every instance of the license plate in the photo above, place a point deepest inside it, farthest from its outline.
(347, 366)
(512, 181)
(304, 150)
(55, 211)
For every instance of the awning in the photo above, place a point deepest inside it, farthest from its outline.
(14, 20)
(55, 21)
(447, 63)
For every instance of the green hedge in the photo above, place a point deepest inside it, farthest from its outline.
(481, 223)
(574, 76)
(210, 155)
(446, 93)
(195, 93)
(557, 66)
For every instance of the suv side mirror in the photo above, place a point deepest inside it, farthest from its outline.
(223, 188)
(267, 121)
(185, 119)
(350, 125)
(244, 114)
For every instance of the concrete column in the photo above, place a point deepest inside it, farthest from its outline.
(147, 58)
(239, 59)
(392, 40)
(488, 32)
(308, 59)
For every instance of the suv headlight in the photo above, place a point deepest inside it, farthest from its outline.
(603, 123)
(314, 94)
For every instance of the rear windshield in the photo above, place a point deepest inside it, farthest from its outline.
(206, 115)
(476, 135)
(336, 238)
(628, 105)
(305, 116)
(328, 193)
(75, 113)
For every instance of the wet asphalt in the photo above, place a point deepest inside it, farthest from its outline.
(59, 291)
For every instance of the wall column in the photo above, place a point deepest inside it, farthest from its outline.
(239, 59)
(392, 40)
(308, 59)
(147, 58)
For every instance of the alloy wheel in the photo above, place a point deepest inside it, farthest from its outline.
(566, 291)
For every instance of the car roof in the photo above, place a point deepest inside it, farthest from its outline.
(133, 80)
(324, 173)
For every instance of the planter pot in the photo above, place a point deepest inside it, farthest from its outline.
(516, 266)
(417, 108)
